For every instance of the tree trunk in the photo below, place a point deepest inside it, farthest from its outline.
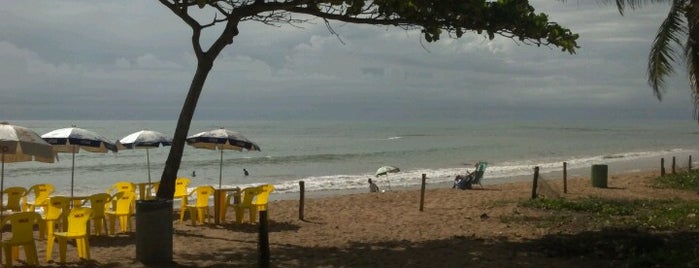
(172, 165)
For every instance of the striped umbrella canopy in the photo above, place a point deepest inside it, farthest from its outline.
(20, 144)
(144, 139)
(221, 139)
(383, 171)
(72, 140)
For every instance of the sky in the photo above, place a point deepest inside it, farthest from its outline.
(132, 60)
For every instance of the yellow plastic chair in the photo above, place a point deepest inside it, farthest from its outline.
(232, 198)
(259, 202)
(123, 209)
(55, 211)
(181, 193)
(14, 197)
(122, 186)
(98, 204)
(77, 229)
(199, 211)
(152, 190)
(41, 193)
(246, 196)
(22, 225)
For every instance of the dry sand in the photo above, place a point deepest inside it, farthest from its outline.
(456, 229)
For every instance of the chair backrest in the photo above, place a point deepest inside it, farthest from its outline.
(57, 205)
(124, 202)
(480, 170)
(260, 199)
(41, 192)
(203, 193)
(14, 196)
(98, 203)
(181, 186)
(122, 186)
(248, 194)
(77, 220)
(22, 224)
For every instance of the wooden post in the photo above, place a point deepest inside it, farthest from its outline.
(689, 166)
(673, 165)
(302, 190)
(422, 191)
(536, 180)
(264, 240)
(662, 167)
(565, 177)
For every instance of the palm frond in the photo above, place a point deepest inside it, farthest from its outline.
(621, 5)
(662, 52)
(690, 51)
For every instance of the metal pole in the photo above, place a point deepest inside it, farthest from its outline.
(72, 175)
(422, 192)
(148, 163)
(220, 170)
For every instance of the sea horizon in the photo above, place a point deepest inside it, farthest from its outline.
(339, 156)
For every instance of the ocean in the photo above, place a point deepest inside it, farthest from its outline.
(341, 155)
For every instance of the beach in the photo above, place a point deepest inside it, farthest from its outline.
(456, 228)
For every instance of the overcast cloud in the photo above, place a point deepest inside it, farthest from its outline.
(132, 59)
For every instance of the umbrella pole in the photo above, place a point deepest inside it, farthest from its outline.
(2, 187)
(220, 171)
(72, 175)
(148, 161)
(389, 182)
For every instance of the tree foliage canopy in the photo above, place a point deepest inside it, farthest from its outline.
(509, 18)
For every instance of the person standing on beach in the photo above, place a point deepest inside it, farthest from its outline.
(373, 188)
(245, 171)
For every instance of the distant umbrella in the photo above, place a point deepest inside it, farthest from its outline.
(20, 144)
(144, 139)
(72, 140)
(221, 139)
(383, 171)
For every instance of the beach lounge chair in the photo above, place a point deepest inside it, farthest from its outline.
(77, 230)
(22, 225)
(480, 171)
(14, 196)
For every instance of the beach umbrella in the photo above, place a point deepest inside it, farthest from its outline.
(383, 171)
(72, 140)
(20, 144)
(144, 139)
(221, 139)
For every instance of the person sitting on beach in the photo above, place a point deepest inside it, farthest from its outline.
(464, 182)
(373, 188)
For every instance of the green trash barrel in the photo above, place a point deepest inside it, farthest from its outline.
(599, 176)
(154, 232)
